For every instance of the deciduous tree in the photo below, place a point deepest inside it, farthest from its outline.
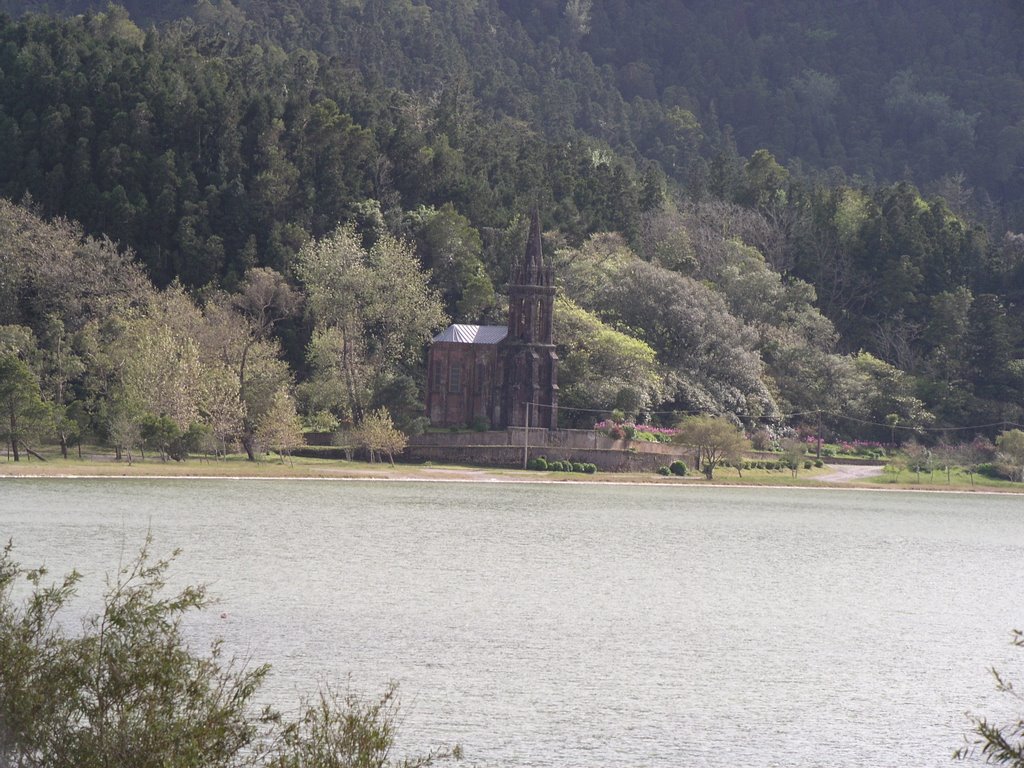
(377, 304)
(24, 414)
(714, 438)
(377, 434)
(1010, 446)
(279, 428)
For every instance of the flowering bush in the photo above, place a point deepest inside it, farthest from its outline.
(632, 431)
(870, 448)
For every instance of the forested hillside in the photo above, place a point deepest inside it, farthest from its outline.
(925, 92)
(759, 210)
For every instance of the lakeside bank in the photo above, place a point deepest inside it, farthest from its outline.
(828, 477)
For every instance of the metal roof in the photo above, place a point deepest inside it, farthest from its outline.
(472, 334)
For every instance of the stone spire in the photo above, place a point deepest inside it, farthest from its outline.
(532, 270)
(529, 361)
(533, 261)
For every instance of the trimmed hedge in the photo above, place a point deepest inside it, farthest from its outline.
(541, 464)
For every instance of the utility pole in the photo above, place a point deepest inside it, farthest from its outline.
(819, 434)
(526, 435)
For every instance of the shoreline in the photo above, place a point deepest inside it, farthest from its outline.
(483, 476)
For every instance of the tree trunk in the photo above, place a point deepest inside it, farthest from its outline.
(350, 379)
(248, 443)
(30, 452)
(248, 429)
(63, 445)
(14, 434)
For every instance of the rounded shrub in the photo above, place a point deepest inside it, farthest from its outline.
(808, 464)
(678, 468)
(590, 469)
(992, 471)
(577, 466)
(663, 470)
(819, 463)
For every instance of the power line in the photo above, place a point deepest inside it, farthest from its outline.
(794, 414)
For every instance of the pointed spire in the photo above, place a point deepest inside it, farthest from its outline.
(533, 263)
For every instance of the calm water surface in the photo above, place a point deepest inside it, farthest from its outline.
(588, 625)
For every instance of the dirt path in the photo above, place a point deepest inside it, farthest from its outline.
(848, 473)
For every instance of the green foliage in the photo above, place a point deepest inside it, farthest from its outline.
(992, 471)
(23, 414)
(378, 435)
(129, 689)
(793, 450)
(451, 249)
(373, 311)
(999, 744)
(125, 690)
(665, 471)
(160, 433)
(1011, 453)
(598, 364)
(709, 354)
(702, 267)
(715, 439)
(279, 428)
(678, 468)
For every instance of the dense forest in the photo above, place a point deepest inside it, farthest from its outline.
(224, 218)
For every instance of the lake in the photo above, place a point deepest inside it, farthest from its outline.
(587, 625)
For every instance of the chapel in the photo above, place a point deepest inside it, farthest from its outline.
(501, 375)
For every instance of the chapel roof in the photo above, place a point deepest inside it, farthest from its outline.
(472, 334)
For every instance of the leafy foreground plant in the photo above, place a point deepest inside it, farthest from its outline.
(999, 744)
(128, 690)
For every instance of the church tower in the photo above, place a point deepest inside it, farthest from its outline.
(529, 361)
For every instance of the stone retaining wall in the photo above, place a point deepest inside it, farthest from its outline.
(504, 448)
(570, 439)
(510, 456)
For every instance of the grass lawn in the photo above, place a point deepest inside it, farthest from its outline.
(958, 480)
(98, 462)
